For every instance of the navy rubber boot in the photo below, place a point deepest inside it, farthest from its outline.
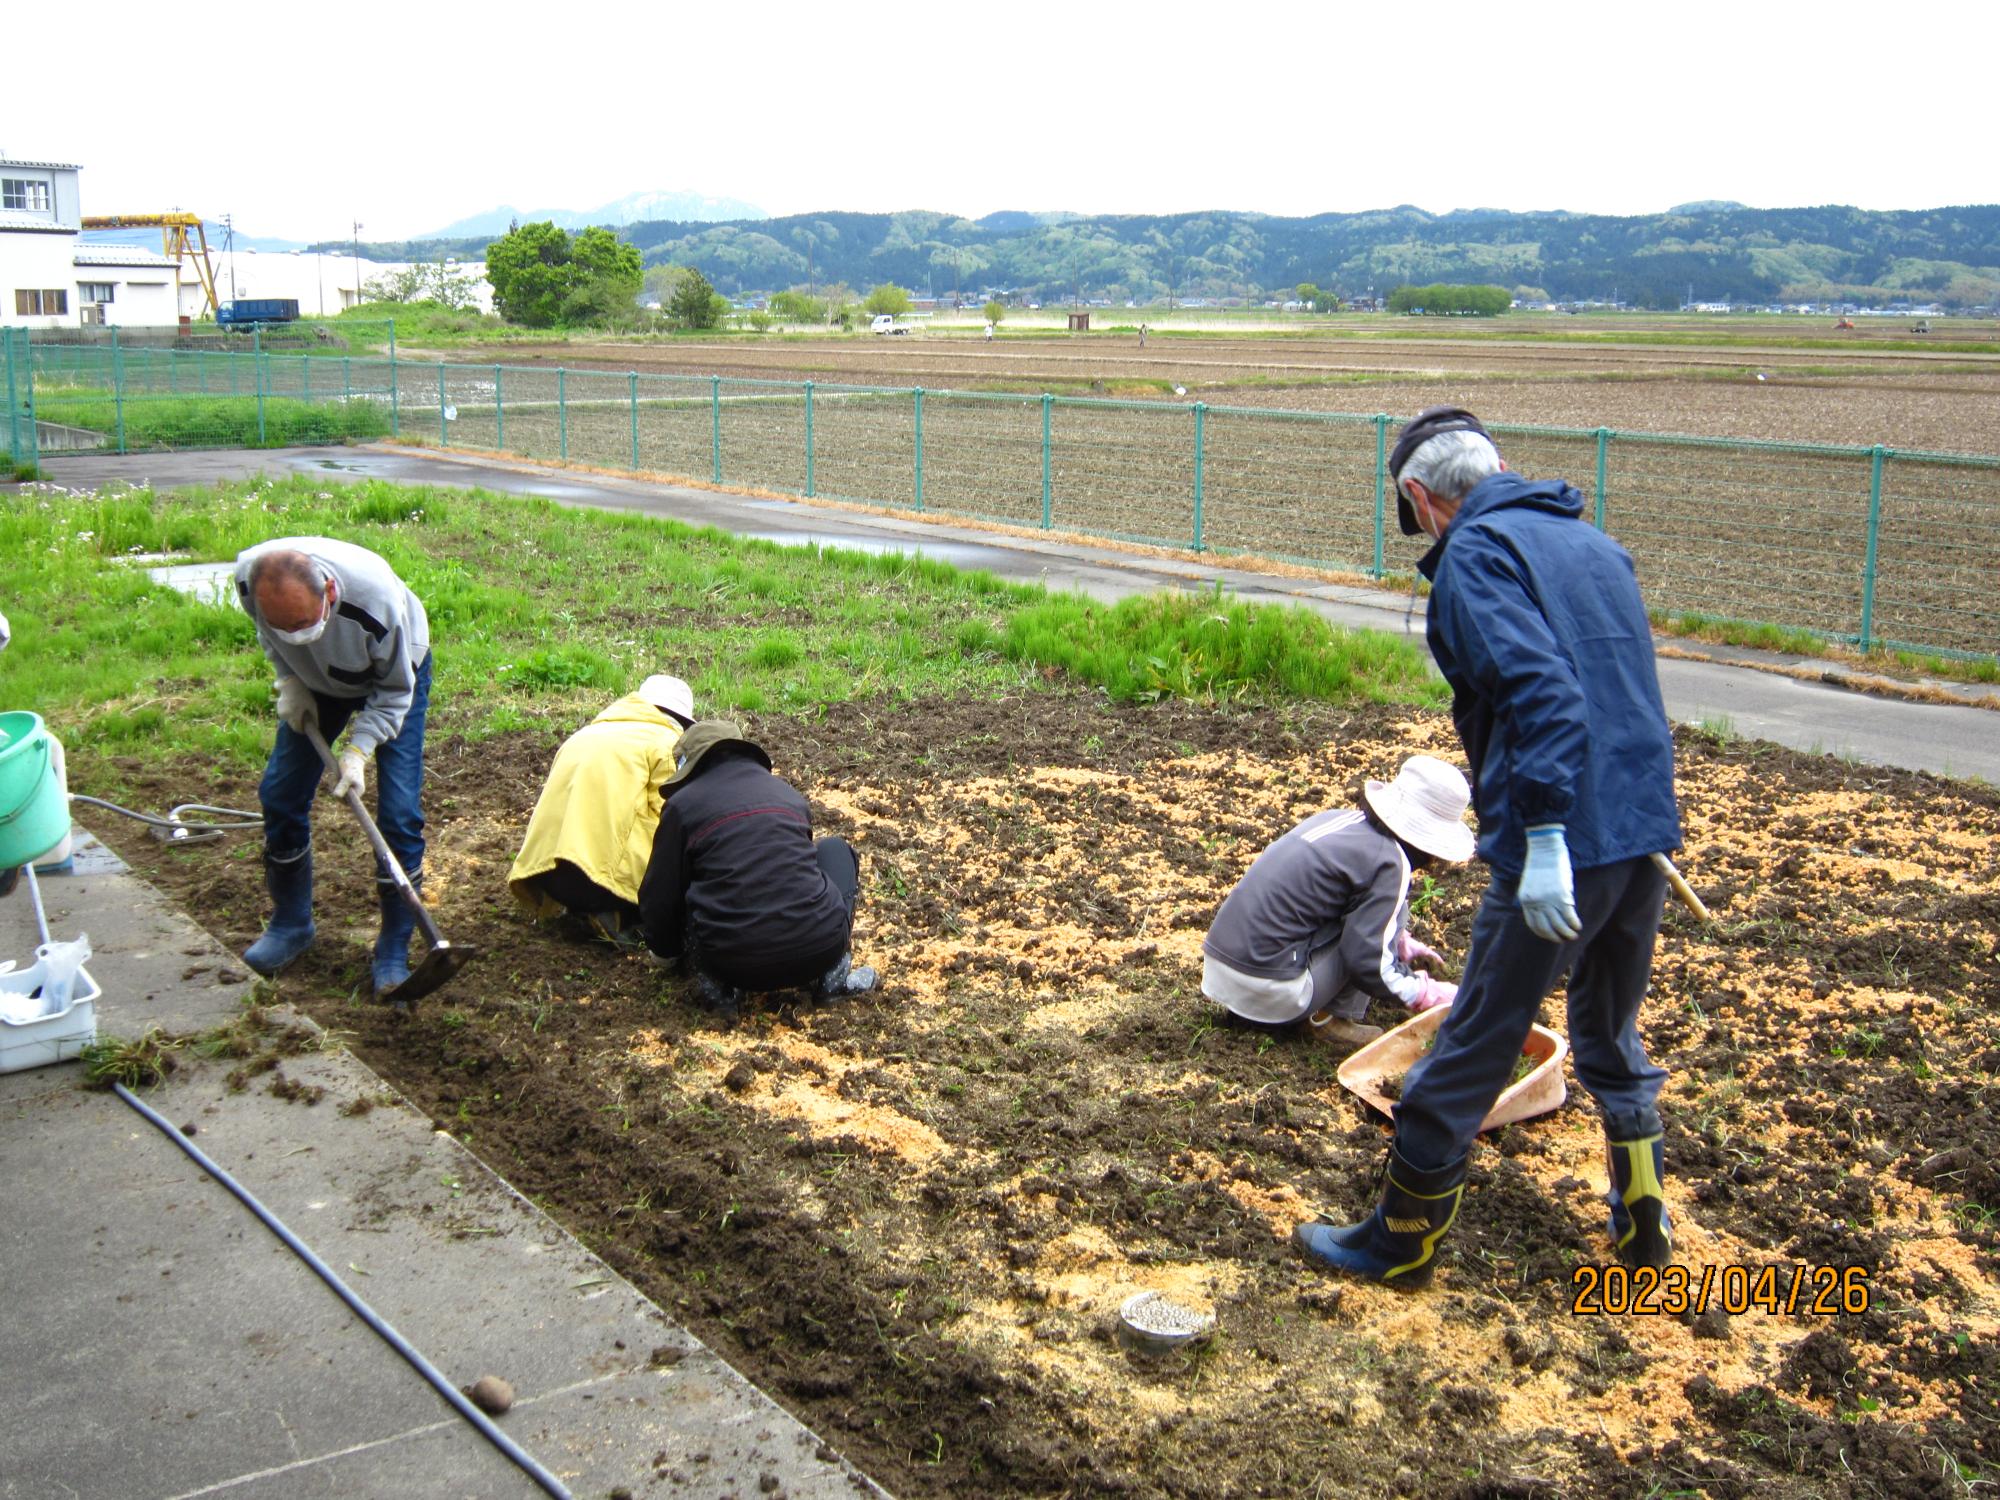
(1397, 1244)
(844, 979)
(392, 943)
(1641, 1229)
(290, 931)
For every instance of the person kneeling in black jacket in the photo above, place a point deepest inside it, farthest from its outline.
(738, 888)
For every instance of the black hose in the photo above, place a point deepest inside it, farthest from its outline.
(361, 1310)
(173, 820)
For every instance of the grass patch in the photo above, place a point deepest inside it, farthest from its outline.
(137, 1062)
(541, 614)
(210, 421)
(1703, 627)
(1208, 648)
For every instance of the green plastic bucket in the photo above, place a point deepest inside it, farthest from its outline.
(34, 814)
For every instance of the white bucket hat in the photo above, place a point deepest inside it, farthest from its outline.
(1425, 807)
(670, 694)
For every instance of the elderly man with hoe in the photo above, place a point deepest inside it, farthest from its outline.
(1319, 923)
(738, 888)
(1537, 624)
(591, 834)
(352, 650)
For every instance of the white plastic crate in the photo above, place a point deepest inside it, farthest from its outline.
(50, 1039)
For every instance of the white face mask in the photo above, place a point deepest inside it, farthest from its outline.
(315, 630)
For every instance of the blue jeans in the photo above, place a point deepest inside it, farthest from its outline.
(1508, 973)
(292, 777)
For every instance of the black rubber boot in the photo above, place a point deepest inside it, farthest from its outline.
(724, 999)
(1641, 1229)
(1397, 1244)
(392, 943)
(290, 931)
(844, 979)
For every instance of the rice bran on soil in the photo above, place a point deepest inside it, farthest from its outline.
(913, 1217)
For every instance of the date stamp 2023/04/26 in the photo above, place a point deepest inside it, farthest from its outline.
(1802, 1290)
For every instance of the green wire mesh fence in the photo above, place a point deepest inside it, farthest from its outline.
(1863, 545)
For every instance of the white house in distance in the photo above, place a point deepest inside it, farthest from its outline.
(53, 276)
(50, 278)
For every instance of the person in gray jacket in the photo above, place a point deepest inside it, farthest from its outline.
(1319, 924)
(351, 647)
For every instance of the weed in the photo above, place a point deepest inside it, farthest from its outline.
(135, 1062)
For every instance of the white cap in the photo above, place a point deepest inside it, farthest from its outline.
(669, 693)
(1425, 807)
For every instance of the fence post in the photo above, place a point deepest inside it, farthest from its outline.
(1381, 487)
(499, 412)
(920, 447)
(395, 394)
(305, 377)
(257, 369)
(256, 339)
(1876, 455)
(13, 398)
(809, 440)
(1603, 446)
(392, 341)
(1048, 403)
(562, 411)
(346, 379)
(118, 384)
(715, 421)
(444, 435)
(1200, 451)
(633, 376)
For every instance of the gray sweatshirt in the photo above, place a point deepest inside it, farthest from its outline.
(370, 649)
(1334, 871)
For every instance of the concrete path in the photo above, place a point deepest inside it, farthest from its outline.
(1733, 690)
(158, 1341)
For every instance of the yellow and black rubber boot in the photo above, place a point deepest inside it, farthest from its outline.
(1641, 1229)
(1397, 1244)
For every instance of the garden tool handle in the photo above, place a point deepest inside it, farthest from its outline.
(382, 850)
(1681, 888)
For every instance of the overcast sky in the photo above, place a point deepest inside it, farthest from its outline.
(300, 120)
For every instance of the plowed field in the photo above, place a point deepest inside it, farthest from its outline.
(913, 1216)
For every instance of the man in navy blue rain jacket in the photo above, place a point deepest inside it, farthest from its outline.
(1537, 624)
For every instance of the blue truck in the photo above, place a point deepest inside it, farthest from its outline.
(247, 310)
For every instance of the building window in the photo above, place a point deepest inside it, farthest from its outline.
(53, 302)
(27, 195)
(96, 291)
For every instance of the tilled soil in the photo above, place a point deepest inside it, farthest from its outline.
(912, 1217)
(1834, 392)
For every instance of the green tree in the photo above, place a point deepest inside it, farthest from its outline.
(1318, 299)
(994, 312)
(605, 277)
(796, 306)
(529, 269)
(693, 302)
(887, 298)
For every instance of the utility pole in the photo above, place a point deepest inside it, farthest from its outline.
(229, 248)
(357, 262)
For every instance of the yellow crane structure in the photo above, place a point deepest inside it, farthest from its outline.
(174, 241)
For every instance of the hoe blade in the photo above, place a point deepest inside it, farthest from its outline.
(444, 960)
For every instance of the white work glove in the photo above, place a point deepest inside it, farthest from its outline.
(353, 773)
(1547, 892)
(296, 706)
(1434, 992)
(5, 633)
(1410, 952)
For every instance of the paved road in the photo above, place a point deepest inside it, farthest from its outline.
(1816, 716)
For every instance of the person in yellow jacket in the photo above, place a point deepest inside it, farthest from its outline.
(591, 833)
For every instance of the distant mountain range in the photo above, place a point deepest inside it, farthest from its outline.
(633, 208)
(1708, 251)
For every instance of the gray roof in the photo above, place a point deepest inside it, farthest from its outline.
(121, 255)
(33, 222)
(45, 166)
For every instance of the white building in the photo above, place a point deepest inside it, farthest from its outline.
(50, 278)
(322, 283)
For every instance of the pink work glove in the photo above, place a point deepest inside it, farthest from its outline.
(1434, 992)
(1409, 951)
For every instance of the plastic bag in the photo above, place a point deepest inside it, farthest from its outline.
(60, 961)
